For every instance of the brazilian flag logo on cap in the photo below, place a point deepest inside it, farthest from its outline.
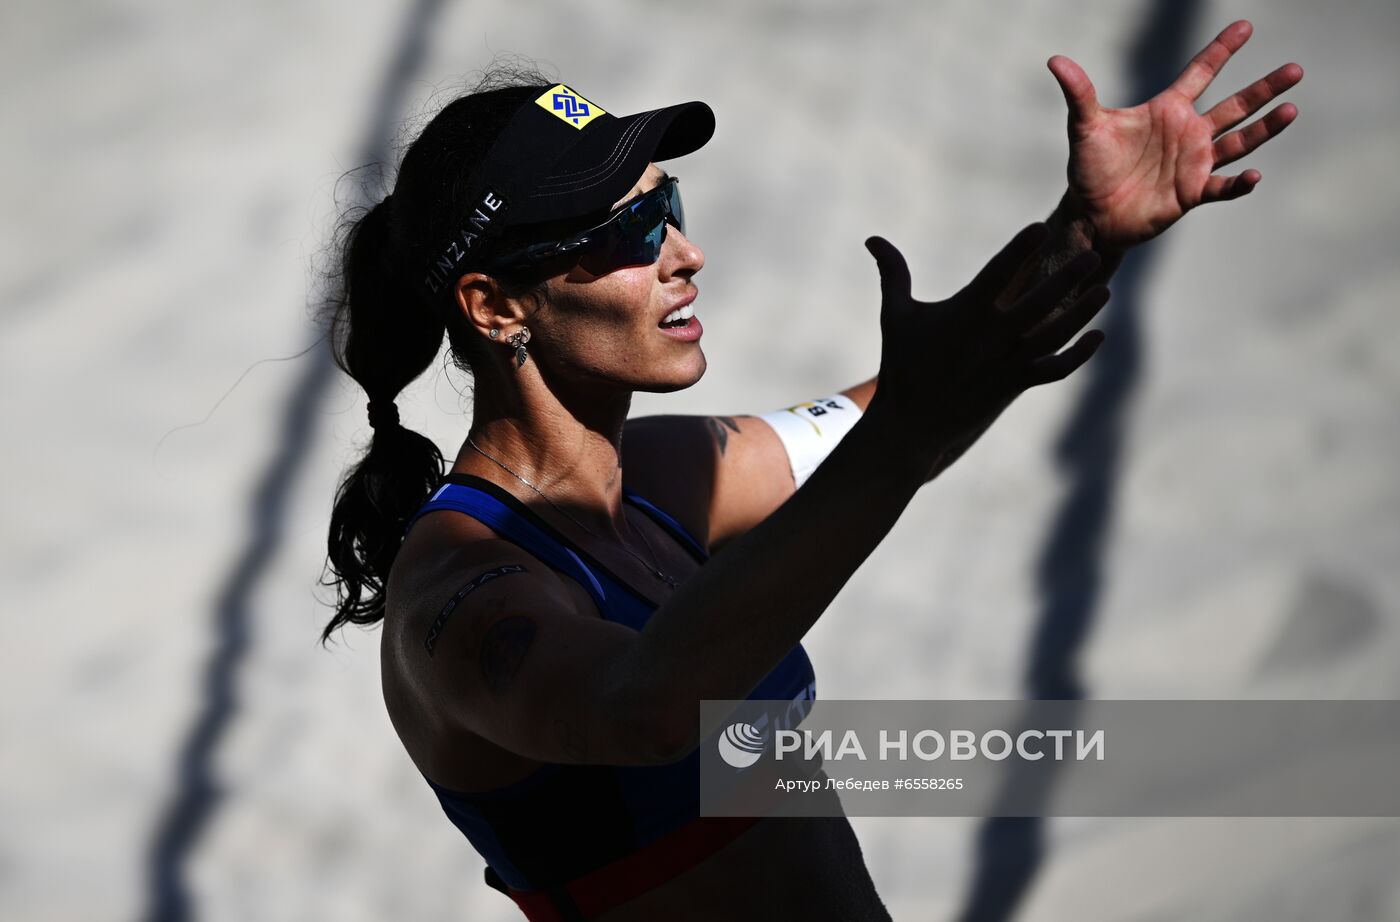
(568, 106)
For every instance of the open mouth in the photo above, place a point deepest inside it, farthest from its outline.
(677, 318)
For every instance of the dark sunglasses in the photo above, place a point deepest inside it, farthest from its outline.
(631, 236)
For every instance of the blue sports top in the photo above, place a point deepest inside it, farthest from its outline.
(565, 820)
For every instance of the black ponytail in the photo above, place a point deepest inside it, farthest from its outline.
(383, 338)
(384, 332)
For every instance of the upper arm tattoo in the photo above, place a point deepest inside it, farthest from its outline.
(440, 622)
(717, 426)
(503, 650)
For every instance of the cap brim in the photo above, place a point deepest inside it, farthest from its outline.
(685, 129)
(604, 165)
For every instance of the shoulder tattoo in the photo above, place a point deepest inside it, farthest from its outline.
(440, 622)
(503, 649)
(717, 426)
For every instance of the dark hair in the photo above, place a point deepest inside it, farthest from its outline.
(384, 330)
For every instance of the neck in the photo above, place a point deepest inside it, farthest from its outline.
(570, 451)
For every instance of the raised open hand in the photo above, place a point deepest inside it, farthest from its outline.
(1134, 172)
(948, 368)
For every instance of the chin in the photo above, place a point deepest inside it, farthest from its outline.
(680, 377)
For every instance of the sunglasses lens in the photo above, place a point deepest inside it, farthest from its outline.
(673, 204)
(634, 236)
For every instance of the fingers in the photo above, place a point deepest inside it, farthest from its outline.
(1203, 67)
(1061, 366)
(1052, 337)
(1225, 188)
(1035, 303)
(894, 271)
(1079, 92)
(1236, 144)
(1003, 267)
(1229, 112)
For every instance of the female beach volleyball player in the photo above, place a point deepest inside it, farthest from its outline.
(556, 605)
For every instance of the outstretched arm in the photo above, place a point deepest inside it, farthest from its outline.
(1132, 173)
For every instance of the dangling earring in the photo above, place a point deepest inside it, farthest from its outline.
(518, 340)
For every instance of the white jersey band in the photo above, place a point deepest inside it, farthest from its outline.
(810, 430)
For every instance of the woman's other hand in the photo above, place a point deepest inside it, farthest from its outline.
(948, 368)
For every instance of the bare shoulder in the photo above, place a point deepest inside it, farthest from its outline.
(447, 558)
(444, 605)
(490, 643)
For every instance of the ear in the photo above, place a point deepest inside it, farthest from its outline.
(485, 305)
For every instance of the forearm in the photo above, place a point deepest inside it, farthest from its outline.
(954, 448)
(729, 625)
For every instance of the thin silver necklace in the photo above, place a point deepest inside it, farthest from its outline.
(654, 568)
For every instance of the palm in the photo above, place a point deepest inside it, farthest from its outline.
(1134, 172)
(1141, 169)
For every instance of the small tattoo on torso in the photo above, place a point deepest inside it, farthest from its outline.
(503, 649)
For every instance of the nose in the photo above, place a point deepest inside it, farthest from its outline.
(679, 256)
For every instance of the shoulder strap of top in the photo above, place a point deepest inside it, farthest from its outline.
(515, 528)
(675, 528)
